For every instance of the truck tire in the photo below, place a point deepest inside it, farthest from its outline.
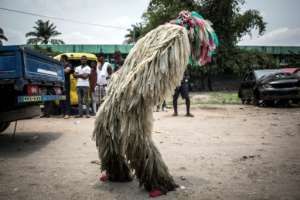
(3, 126)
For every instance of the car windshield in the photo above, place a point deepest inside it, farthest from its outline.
(263, 73)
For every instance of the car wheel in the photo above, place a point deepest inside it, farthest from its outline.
(283, 102)
(269, 103)
(256, 100)
(296, 101)
(3, 126)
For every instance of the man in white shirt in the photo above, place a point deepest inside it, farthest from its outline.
(82, 74)
(104, 70)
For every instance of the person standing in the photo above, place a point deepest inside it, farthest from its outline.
(66, 105)
(163, 106)
(104, 70)
(183, 90)
(82, 74)
(93, 82)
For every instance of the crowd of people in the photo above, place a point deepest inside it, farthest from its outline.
(92, 81)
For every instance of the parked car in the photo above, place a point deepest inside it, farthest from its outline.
(269, 86)
(27, 79)
(297, 72)
(291, 70)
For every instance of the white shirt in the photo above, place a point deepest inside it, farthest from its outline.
(102, 74)
(83, 70)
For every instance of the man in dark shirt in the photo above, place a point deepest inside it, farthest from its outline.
(183, 90)
(93, 83)
(66, 107)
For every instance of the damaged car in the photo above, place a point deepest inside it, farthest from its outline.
(269, 86)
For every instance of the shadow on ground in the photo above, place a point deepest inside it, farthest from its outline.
(120, 191)
(24, 143)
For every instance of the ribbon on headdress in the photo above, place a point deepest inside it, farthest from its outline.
(203, 38)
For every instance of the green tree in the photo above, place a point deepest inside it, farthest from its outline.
(158, 12)
(247, 60)
(230, 25)
(228, 21)
(162, 11)
(44, 33)
(294, 60)
(134, 33)
(2, 36)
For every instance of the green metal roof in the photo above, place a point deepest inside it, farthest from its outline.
(125, 48)
(89, 48)
(275, 50)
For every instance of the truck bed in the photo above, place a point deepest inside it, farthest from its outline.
(19, 63)
(27, 79)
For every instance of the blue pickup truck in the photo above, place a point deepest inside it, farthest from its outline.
(27, 79)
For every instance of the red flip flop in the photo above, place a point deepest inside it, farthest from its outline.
(103, 178)
(155, 193)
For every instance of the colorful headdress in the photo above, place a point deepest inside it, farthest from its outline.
(203, 37)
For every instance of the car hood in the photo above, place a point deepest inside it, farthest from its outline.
(278, 78)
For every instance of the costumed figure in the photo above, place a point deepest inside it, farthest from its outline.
(151, 71)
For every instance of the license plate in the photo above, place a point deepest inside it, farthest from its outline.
(27, 99)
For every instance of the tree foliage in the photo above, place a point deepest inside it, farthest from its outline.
(228, 21)
(134, 33)
(44, 33)
(162, 11)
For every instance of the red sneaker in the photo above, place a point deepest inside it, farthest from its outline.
(103, 178)
(155, 193)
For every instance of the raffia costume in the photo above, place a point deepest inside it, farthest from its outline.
(151, 71)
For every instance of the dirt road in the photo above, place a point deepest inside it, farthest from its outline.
(224, 152)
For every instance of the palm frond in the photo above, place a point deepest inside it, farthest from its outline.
(56, 41)
(43, 32)
(33, 41)
(31, 33)
(2, 36)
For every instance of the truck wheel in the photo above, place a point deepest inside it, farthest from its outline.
(3, 126)
(54, 109)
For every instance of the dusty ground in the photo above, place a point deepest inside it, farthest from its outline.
(224, 152)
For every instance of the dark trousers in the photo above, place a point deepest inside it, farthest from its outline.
(83, 99)
(66, 104)
(163, 106)
(46, 111)
(182, 90)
